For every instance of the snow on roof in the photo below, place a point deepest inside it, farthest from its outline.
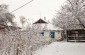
(49, 27)
(52, 27)
(45, 26)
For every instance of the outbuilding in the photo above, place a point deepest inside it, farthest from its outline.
(76, 33)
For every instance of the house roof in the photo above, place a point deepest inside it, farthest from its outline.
(47, 27)
(40, 21)
(2, 26)
(11, 27)
(14, 28)
(52, 27)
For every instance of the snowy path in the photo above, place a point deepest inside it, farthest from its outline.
(62, 48)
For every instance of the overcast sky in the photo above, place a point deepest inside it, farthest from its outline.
(35, 10)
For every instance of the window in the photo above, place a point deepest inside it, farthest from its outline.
(42, 34)
(52, 34)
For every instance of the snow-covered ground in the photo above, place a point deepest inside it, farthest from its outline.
(62, 48)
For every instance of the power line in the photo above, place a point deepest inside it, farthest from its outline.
(22, 6)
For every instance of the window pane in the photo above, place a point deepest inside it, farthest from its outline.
(52, 34)
(42, 34)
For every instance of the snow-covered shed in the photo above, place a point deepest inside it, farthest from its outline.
(76, 33)
(48, 31)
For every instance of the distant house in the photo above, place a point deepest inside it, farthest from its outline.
(76, 32)
(3, 28)
(49, 31)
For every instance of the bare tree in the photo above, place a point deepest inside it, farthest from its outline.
(72, 12)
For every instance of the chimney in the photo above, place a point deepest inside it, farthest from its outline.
(45, 18)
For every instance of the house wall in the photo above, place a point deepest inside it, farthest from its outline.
(47, 36)
(58, 35)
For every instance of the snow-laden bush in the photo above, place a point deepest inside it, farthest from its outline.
(20, 42)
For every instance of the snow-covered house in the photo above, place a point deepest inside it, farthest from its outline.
(3, 28)
(48, 31)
